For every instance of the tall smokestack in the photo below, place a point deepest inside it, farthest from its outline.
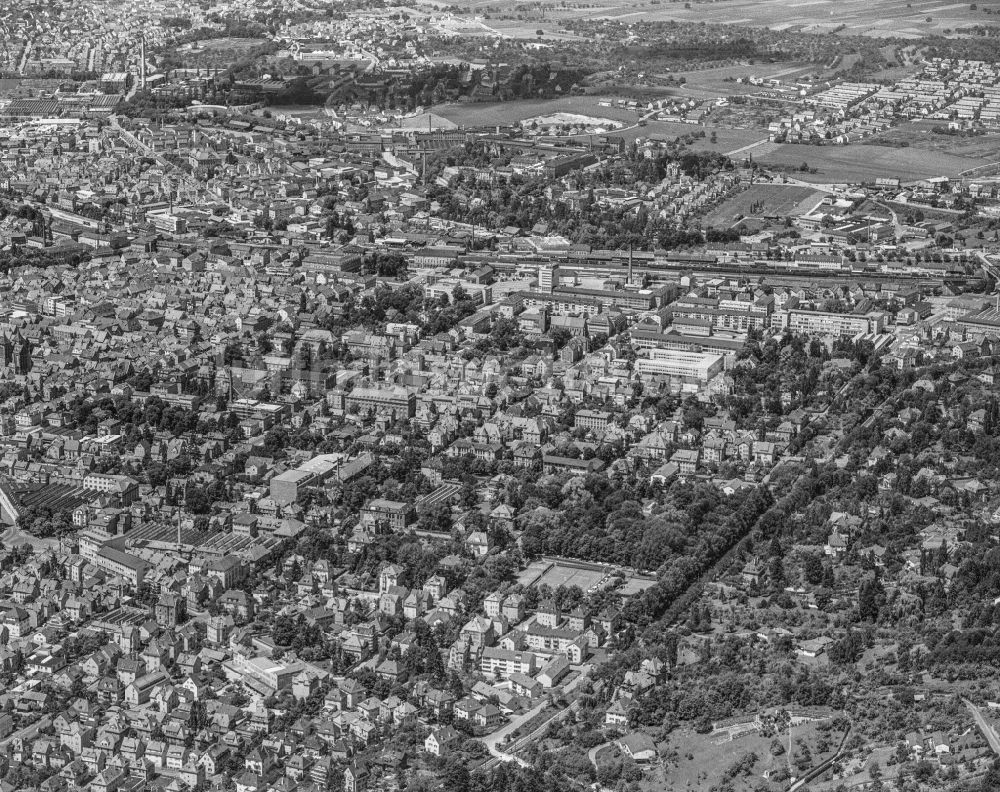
(142, 63)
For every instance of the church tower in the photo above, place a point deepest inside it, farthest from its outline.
(6, 351)
(21, 350)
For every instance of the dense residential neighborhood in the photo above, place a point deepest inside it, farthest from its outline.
(579, 442)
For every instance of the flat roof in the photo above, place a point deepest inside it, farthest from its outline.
(293, 476)
(321, 464)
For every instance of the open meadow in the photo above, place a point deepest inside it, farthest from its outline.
(864, 163)
(878, 18)
(225, 44)
(727, 139)
(706, 761)
(721, 80)
(922, 135)
(492, 113)
(889, 18)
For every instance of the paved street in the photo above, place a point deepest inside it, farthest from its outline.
(491, 741)
(987, 728)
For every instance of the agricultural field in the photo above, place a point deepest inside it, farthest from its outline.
(861, 163)
(721, 81)
(877, 18)
(765, 200)
(889, 18)
(512, 28)
(921, 135)
(735, 143)
(479, 26)
(891, 75)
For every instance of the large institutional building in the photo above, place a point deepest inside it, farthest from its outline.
(674, 363)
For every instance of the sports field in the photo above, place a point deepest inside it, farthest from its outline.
(555, 572)
(563, 573)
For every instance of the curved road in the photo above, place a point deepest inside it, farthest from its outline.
(989, 732)
(822, 767)
(491, 741)
(13, 536)
(592, 753)
(991, 269)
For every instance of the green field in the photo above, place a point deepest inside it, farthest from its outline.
(921, 135)
(225, 44)
(728, 140)
(897, 18)
(858, 163)
(877, 18)
(928, 155)
(721, 81)
(858, 771)
(702, 761)
(504, 113)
